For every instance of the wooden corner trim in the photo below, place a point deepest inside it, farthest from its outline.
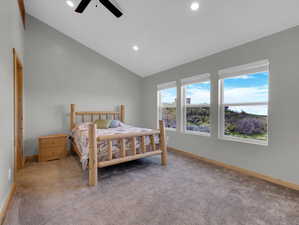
(237, 169)
(22, 12)
(7, 202)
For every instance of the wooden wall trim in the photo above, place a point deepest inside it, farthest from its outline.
(22, 11)
(237, 169)
(18, 92)
(6, 204)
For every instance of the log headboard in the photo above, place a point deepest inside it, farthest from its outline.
(95, 115)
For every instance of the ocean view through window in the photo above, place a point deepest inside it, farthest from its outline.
(244, 104)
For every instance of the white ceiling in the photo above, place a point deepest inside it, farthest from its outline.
(166, 31)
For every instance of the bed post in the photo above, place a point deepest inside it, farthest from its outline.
(163, 145)
(93, 158)
(122, 113)
(72, 117)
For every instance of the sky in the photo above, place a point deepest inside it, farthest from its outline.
(242, 89)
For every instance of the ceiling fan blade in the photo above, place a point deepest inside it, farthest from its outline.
(82, 6)
(115, 11)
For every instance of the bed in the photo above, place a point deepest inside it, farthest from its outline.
(98, 148)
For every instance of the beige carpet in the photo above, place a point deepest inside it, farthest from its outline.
(187, 192)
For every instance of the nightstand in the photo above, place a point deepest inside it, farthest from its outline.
(52, 147)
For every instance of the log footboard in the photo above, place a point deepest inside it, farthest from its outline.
(93, 159)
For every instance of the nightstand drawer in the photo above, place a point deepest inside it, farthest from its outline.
(57, 150)
(52, 142)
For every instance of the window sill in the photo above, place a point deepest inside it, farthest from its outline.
(243, 140)
(197, 133)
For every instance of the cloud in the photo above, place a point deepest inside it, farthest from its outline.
(198, 95)
(231, 95)
(201, 95)
(244, 95)
(245, 77)
(168, 95)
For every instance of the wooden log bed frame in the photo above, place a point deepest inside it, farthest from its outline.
(93, 163)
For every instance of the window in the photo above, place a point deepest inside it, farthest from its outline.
(196, 93)
(244, 103)
(167, 95)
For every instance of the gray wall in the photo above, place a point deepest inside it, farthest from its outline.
(281, 158)
(11, 36)
(60, 71)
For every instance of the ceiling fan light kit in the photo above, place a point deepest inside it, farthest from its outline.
(106, 3)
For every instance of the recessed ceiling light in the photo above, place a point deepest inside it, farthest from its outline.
(70, 3)
(135, 48)
(194, 6)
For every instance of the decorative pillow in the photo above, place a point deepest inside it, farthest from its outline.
(103, 124)
(114, 124)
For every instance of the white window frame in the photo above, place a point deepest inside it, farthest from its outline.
(161, 87)
(251, 68)
(187, 81)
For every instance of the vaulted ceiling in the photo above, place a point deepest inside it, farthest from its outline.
(167, 32)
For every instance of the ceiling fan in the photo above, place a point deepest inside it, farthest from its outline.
(112, 8)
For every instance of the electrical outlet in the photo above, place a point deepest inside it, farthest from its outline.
(9, 174)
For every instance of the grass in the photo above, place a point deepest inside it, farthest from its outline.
(262, 137)
(203, 124)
